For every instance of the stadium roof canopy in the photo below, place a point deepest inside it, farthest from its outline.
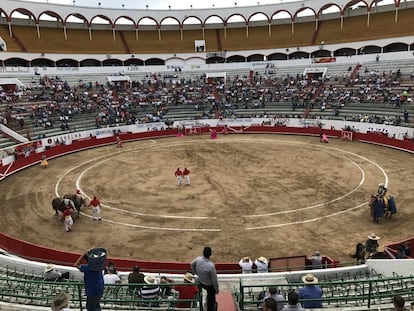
(291, 10)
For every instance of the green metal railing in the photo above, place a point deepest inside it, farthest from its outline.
(118, 296)
(357, 292)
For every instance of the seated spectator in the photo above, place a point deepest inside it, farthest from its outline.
(111, 265)
(135, 277)
(165, 290)
(151, 290)
(188, 291)
(261, 264)
(292, 304)
(310, 291)
(399, 303)
(111, 277)
(269, 304)
(246, 265)
(277, 297)
(52, 274)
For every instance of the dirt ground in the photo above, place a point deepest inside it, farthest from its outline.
(250, 195)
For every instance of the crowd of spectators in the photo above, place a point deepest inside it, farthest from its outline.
(54, 102)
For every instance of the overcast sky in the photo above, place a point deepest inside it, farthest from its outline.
(162, 4)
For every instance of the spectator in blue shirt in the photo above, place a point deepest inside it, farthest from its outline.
(94, 284)
(310, 291)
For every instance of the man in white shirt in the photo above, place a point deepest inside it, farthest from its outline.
(111, 278)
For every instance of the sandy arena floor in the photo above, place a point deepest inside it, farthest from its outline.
(250, 195)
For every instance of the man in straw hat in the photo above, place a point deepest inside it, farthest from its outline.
(262, 264)
(61, 302)
(371, 245)
(310, 291)
(52, 274)
(187, 291)
(246, 264)
(151, 290)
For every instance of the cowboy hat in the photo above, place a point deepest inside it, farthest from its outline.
(150, 280)
(49, 267)
(309, 279)
(373, 236)
(246, 259)
(189, 277)
(61, 300)
(262, 259)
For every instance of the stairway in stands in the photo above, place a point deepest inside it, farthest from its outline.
(355, 71)
(16, 39)
(314, 98)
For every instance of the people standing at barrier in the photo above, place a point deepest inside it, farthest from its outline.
(207, 277)
(92, 277)
(178, 176)
(316, 260)
(311, 291)
(262, 264)
(371, 245)
(96, 208)
(246, 264)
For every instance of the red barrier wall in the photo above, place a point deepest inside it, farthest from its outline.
(40, 253)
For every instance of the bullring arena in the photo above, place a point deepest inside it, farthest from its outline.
(77, 82)
(250, 194)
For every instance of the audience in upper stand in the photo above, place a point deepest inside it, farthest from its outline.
(55, 103)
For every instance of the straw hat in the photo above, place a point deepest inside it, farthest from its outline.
(373, 236)
(246, 259)
(61, 300)
(309, 279)
(49, 267)
(189, 277)
(150, 280)
(262, 259)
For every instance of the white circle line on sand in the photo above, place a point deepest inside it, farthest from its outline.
(308, 220)
(248, 140)
(361, 182)
(154, 228)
